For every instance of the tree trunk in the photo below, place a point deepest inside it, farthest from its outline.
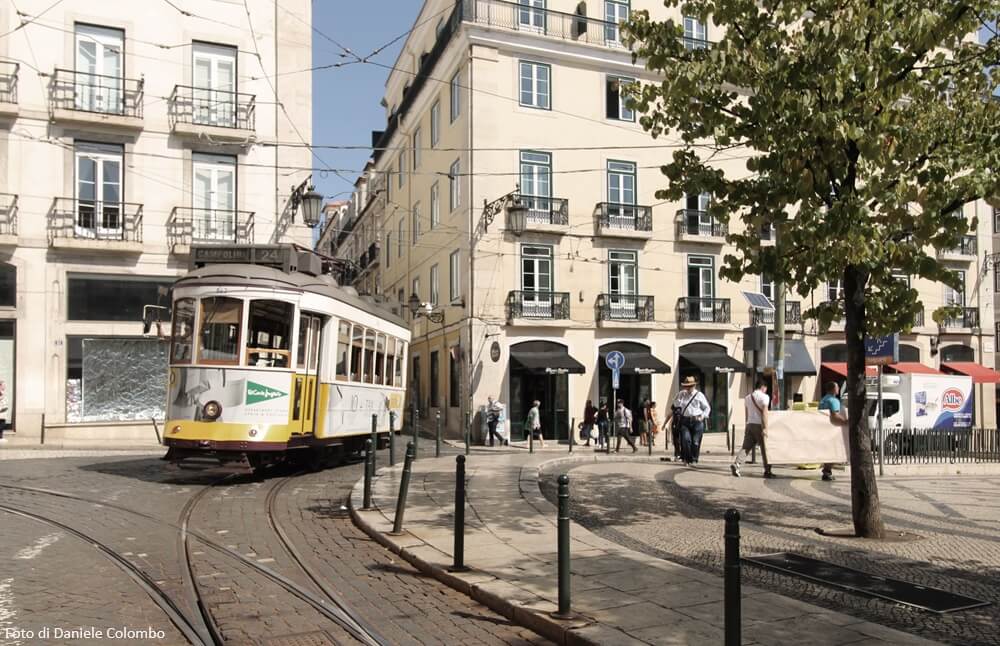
(865, 508)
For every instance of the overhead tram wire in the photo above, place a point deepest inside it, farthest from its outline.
(24, 23)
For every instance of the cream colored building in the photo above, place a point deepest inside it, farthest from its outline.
(487, 95)
(128, 133)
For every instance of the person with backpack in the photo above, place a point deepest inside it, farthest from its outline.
(623, 426)
(756, 404)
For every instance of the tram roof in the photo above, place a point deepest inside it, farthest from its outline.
(262, 275)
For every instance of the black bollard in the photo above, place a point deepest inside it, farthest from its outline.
(732, 578)
(572, 428)
(416, 432)
(369, 473)
(437, 437)
(459, 562)
(374, 441)
(404, 487)
(563, 536)
(392, 438)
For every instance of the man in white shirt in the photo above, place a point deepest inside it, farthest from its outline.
(693, 409)
(756, 404)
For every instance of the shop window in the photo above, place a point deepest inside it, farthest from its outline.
(182, 331)
(105, 297)
(8, 286)
(221, 322)
(343, 344)
(270, 328)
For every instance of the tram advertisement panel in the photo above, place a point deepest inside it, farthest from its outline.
(245, 396)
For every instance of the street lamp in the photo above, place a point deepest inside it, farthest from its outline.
(517, 211)
(418, 309)
(311, 200)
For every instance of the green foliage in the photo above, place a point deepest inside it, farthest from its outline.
(866, 126)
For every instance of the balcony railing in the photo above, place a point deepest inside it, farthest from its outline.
(521, 17)
(966, 247)
(373, 255)
(624, 217)
(546, 210)
(692, 222)
(8, 81)
(625, 307)
(95, 220)
(691, 43)
(86, 92)
(704, 310)
(967, 318)
(188, 225)
(537, 305)
(8, 214)
(212, 107)
(793, 314)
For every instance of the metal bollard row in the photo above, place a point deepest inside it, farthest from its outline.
(404, 488)
(369, 474)
(731, 569)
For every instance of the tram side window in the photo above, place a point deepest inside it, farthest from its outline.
(219, 340)
(380, 360)
(390, 359)
(182, 331)
(343, 345)
(369, 377)
(397, 379)
(357, 349)
(270, 329)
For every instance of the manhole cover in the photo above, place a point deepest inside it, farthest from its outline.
(904, 592)
(317, 638)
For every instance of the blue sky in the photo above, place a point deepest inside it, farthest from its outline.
(346, 100)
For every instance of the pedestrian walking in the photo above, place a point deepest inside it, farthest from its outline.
(492, 418)
(694, 410)
(534, 422)
(831, 402)
(756, 404)
(589, 419)
(672, 422)
(623, 426)
(643, 422)
(603, 420)
(652, 423)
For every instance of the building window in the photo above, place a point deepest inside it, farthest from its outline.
(835, 290)
(388, 249)
(454, 276)
(415, 227)
(435, 206)
(956, 297)
(701, 287)
(435, 379)
(416, 148)
(8, 285)
(110, 297)
(401, 295)
(767, 287)
(454, 378)
(536, 185)
(535, 85)
(456, 97)
(615, 12)
(435, 123)
(400, 236)
(996, 220)
(531, 16)
(97, 86)
(615, 107)
(695, 33)
(536, 269)
(435, 286)
(402, 169)
(99, 190)
(214, 94)
(213, 198)
(623, 273)
(454, 187)
(621, 182)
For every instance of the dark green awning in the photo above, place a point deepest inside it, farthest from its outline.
(797, 359)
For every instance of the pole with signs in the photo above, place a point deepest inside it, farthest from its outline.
(879, 351)
(615, 361)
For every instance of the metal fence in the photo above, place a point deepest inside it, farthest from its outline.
(8, 81)
(86, 92)
(929, 446)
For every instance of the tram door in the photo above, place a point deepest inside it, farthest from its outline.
(307, 373)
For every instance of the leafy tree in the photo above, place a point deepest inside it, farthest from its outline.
(866, 125)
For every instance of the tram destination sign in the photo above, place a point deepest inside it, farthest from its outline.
(283, 257)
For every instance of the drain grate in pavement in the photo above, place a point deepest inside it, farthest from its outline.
(316, 638)
(911, 594)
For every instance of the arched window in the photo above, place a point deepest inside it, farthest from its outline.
(955, 353)
(836, 353)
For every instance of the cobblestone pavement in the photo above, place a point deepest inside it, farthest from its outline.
(675, 513)
(67, 583)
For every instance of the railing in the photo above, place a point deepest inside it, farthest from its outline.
(546, 210)
(625, 307)
(95, 220)
(692, 222)
(704, 310)
(521, 17)
(363, 260)
(8, 81)
(793, 314)
(691, 43)
(923, 446)
(624, 217)
(966, 247)
(373, 253)
(918, 319)
(188, 225)
(537, 305)
(8, 214)
(86, 92)
(212, 107)
(967, 318)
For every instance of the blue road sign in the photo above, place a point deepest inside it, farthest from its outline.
(615, 360)
(881, 350)
(615, 374)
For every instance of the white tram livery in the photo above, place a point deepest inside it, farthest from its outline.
(271, 359)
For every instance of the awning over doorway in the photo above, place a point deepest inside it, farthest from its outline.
(840, 369)
(797, 359)
(548, 362)
(638, 358)
(712, 361)
(980, 374)
(912, 367)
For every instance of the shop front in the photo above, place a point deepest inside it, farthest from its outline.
(798, 365)
(540, 370)
(710, 364)
(635, 381)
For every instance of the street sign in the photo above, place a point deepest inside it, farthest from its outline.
(881, 350)
(615, 360)
(615, 379)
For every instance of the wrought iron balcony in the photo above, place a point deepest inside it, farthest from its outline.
(8, 214)
(967, 247)
(373, 254)
(693, 223)
(691, 43)
(704, 310)
(968, 318)
(212, 107)
(624, 217)
(96, 93)
(625, 307)
(556, 24)
(537, 305)
(793, 314)
(72, 218)
(187, 226)
(8, 81)
(546, 210)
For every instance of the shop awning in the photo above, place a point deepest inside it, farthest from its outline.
(709, 361)
(840, 369)
(638, 359)
(551, 363)
(912, 367)
(797, 359)
(980, 374)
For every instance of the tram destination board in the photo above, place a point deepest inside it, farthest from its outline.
(283, 257)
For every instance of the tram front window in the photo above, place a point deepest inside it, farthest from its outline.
(182, 331)
(219, 341)
(270, 332)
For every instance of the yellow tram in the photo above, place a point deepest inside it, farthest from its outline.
(271, 359)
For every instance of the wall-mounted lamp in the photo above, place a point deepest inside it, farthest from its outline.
(418, 309)
(311, 201)
(517, 211)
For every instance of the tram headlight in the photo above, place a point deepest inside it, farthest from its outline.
(211, 411)
(175, 429)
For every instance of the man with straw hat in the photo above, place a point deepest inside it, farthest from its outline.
(693, 408)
